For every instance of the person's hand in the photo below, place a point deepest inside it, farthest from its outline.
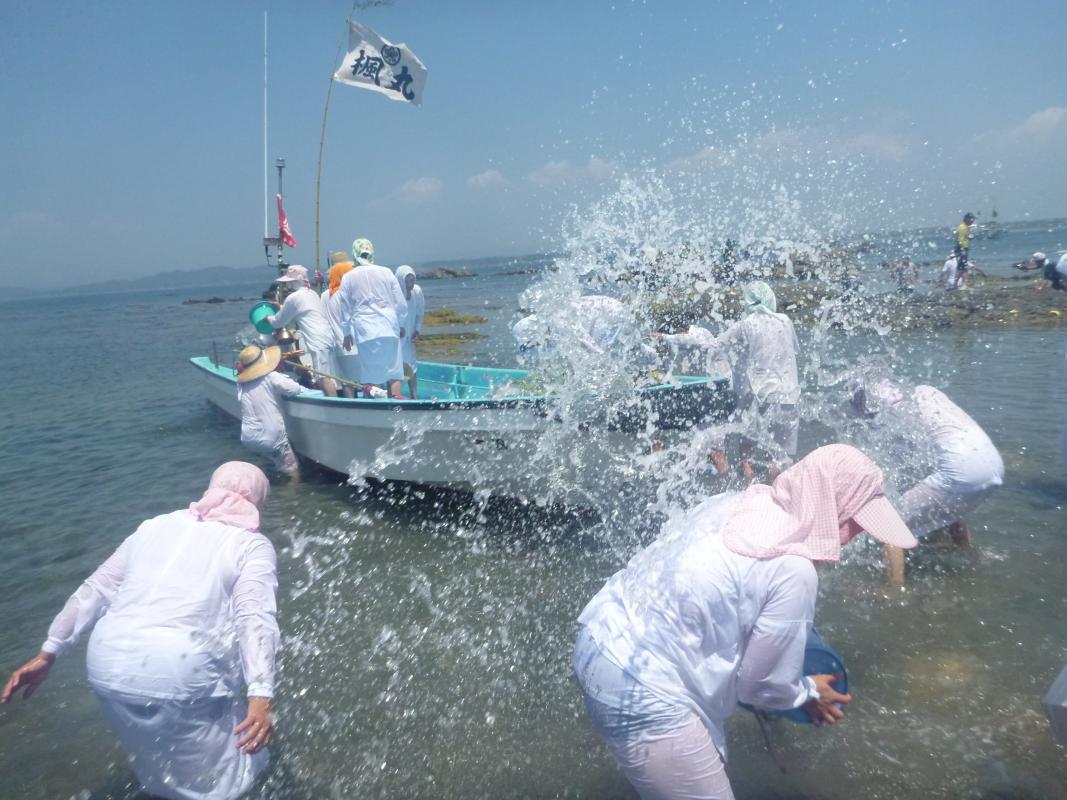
(28, 677)
(347, 344)
(414, 336)
(317, 277)
(258, 726)
(824, 708)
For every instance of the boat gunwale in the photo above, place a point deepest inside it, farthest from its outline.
(205, 364)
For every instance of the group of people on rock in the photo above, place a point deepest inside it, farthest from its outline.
(359, 334)
(717, 611)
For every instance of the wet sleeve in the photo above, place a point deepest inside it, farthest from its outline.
(285, 314)
(286, 385)
(255, 610)
(420, 311)
(400, 303)
(700, 340)
(87, 605)
(771, 672)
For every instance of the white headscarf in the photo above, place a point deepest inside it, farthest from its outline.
(759, 297)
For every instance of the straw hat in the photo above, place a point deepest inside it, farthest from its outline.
(255, 362)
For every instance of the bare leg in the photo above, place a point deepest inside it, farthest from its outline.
(894, 565)
(348, 390)
(394, 390)
(412, 382)
(718, 458)
(961, 534)
(329, 388)
(745, 451)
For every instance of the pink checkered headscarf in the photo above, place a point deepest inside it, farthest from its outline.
(235, 495)
(805, 511)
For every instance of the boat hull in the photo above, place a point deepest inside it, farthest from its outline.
(496, 447)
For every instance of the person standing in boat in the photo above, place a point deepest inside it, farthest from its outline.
(412, 327)
(969, 466)
(178, 613)
(260, 390)
(373, 308)
(762, 348)
(303, 307)
(347, 362)
(717, 611)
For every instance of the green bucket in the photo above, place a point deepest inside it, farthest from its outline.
(259, 313)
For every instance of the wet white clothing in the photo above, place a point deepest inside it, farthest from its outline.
(184, 749)
(347, 361)
(701, 627)
(303, 308)
(697, 338)
(763, 349)
(179, 608)
(178, 613)
(380, 360)
(374, 309)
(665, 751)
(412, 325)
(968, 465)
(594, 322)
(948, 273)
(261, 409)
(372, 303)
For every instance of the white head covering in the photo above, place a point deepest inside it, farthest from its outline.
(363, 251)
(528, 332)
(759, 297)
(295, 273)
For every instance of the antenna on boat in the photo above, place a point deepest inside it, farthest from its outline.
(268, 240)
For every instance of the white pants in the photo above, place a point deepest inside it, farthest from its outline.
(323, 361)
(281, 455)
(962, 480)
(184, 750)
(380, 360)
(665, 751)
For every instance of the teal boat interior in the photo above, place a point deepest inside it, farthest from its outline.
(456, 382)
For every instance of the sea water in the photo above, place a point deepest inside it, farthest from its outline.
(427, 637)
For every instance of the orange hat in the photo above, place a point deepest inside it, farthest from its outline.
(337, 271)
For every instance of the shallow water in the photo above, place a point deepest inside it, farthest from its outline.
(427, 639)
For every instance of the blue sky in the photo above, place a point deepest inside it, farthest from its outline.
(133, 144)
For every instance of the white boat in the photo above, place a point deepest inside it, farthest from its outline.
(475, 431)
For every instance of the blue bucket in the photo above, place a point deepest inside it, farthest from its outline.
(819, 659)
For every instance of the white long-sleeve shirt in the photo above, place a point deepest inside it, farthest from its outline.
(261, 409)
(762, 348)
(697, 338)
(704, 627)
(178, 611)
(966, 457)
(372, 303)
(304, 309)
(413, 323)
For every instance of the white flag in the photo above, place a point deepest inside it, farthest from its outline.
(381, 66)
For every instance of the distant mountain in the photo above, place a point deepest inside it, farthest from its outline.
(172, 279)
(225, 277)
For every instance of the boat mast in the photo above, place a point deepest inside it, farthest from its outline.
(268, 240)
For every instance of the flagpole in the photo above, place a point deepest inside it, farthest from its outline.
(266, 231)
(322, 146)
